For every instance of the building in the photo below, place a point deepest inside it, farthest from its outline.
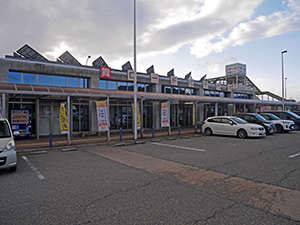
(29, 81)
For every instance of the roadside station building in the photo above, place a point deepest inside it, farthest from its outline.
(29, 81)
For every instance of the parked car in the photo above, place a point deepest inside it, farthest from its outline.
(258, 119)
(8, 155)
(285, 115)
(297, 112)
(233, 126)
(281, 125)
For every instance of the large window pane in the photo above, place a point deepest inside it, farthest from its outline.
(103, 84)
(14, 78)
(130, 86)
(73, 82)
(45, 80)
(148, 88)
(84, 83)
(29, 78)
(122, 86)
(111, 85)
(59, 81)
(141, 87)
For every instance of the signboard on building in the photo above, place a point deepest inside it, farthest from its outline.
(63, 119)
(102, 116)
(105, 72)
(236, 69)
(205, 84)
(174, 80)
(190, 82)
(218, 86)
(130, 75)
(154, 78)
(165, 115)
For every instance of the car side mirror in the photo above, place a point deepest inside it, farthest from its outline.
(16, 133)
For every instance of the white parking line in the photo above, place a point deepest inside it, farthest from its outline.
(40, 176)
(292, 156)
(175, 146)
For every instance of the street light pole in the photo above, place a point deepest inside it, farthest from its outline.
(285, 51)
(135, 78)
(87, 60)
(285, 89)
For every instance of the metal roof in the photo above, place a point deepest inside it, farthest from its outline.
(40, 91)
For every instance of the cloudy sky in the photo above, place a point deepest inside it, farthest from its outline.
(200, 36)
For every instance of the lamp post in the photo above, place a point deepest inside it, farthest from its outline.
(135, 78)
(87, 60)
(285, 88)
(285, 51)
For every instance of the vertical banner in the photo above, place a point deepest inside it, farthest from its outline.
(63, 119)
(102, 116)
(165, 115)
(138, 115)
(194, 114)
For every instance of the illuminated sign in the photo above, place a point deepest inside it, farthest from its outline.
(105, 72)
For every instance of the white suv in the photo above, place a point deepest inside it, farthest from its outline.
(281, 125)
(8, 155)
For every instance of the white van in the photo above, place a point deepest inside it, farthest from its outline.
(8, 152)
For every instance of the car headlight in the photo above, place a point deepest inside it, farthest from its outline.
(10, 146)
(253, 128)
(267, 125)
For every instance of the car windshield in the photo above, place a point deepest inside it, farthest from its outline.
(238, 120)
(259, 117)
(273, 116)
(4, 130)
(294, 115)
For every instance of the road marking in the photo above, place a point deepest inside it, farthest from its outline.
(203, 141)
(175, 146)
(292, 156)
(40, 176)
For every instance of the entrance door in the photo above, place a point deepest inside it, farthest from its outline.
(49, 119)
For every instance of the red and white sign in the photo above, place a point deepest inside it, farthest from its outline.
(105, 72)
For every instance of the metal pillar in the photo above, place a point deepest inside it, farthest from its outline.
(69, 120)
(37, 110)
(108, 132)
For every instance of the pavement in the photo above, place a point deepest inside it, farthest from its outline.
(61, 142)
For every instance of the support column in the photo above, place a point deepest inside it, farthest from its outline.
(142, 118)
(216, 109)
(37, 118)
(108, 132)
(69, 118)
(3, 105)
(169, 106)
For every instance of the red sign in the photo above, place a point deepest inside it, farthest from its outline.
(105, 72)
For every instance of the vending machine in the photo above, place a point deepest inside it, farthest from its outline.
(21, 120)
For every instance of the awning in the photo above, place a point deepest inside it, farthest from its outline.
(89, 93)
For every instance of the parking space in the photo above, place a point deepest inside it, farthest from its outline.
(182, 181)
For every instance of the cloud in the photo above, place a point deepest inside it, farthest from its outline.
(98, 27)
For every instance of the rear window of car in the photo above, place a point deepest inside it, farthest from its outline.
(4, 129)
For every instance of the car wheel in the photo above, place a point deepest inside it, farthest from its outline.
(297, 127)
(279, 128)
(242, 133)
(208, 132)
(13, 169)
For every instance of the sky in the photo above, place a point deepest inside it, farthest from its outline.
(198, 36)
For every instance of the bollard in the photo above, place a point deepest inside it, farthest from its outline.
(179, 129)
(153, 132)
(50, 139)
(120, 134)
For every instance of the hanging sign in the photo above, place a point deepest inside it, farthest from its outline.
(63, 119)
(174, 80)
(205, 84)
(130, 75)
(154, 78)
(105, 72)
(165, 115)
(138, 115)
(218, 86)
(102, 116)
(190, 82)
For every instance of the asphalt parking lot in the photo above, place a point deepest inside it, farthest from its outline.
(195, 180)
